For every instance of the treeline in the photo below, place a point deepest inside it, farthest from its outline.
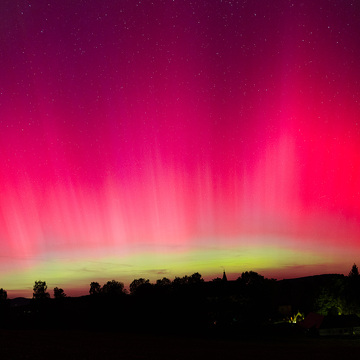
(186, 304)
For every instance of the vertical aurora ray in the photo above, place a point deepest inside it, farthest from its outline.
(145, 139)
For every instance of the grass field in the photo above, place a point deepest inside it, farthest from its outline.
(67, 345)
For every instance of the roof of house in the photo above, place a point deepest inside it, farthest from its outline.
(340, 321)
(312, 320)
(317, 321)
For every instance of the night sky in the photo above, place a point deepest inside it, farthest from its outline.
(162, 138)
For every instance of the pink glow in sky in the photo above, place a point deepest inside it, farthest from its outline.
(161, 138)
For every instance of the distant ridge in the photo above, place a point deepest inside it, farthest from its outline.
(314, 277)
(19, 301)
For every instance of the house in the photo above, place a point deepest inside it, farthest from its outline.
(338, 325)
(341, 325)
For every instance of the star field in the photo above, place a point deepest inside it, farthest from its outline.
(161, 138)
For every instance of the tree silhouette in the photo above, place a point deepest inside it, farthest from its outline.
(352, 291)
(3, 294)
(137, 283)
(95, 288)
(354, 272)
(186, 280)
(179, 281)
(329, 301)
(59, 293)
(195, 278)
(163, 282)
(39, 289)
(251, 278)
(113, 288)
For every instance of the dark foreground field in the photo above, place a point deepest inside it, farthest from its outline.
(67, 345)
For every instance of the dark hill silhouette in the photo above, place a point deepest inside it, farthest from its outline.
(19, 301)
(301, 292)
